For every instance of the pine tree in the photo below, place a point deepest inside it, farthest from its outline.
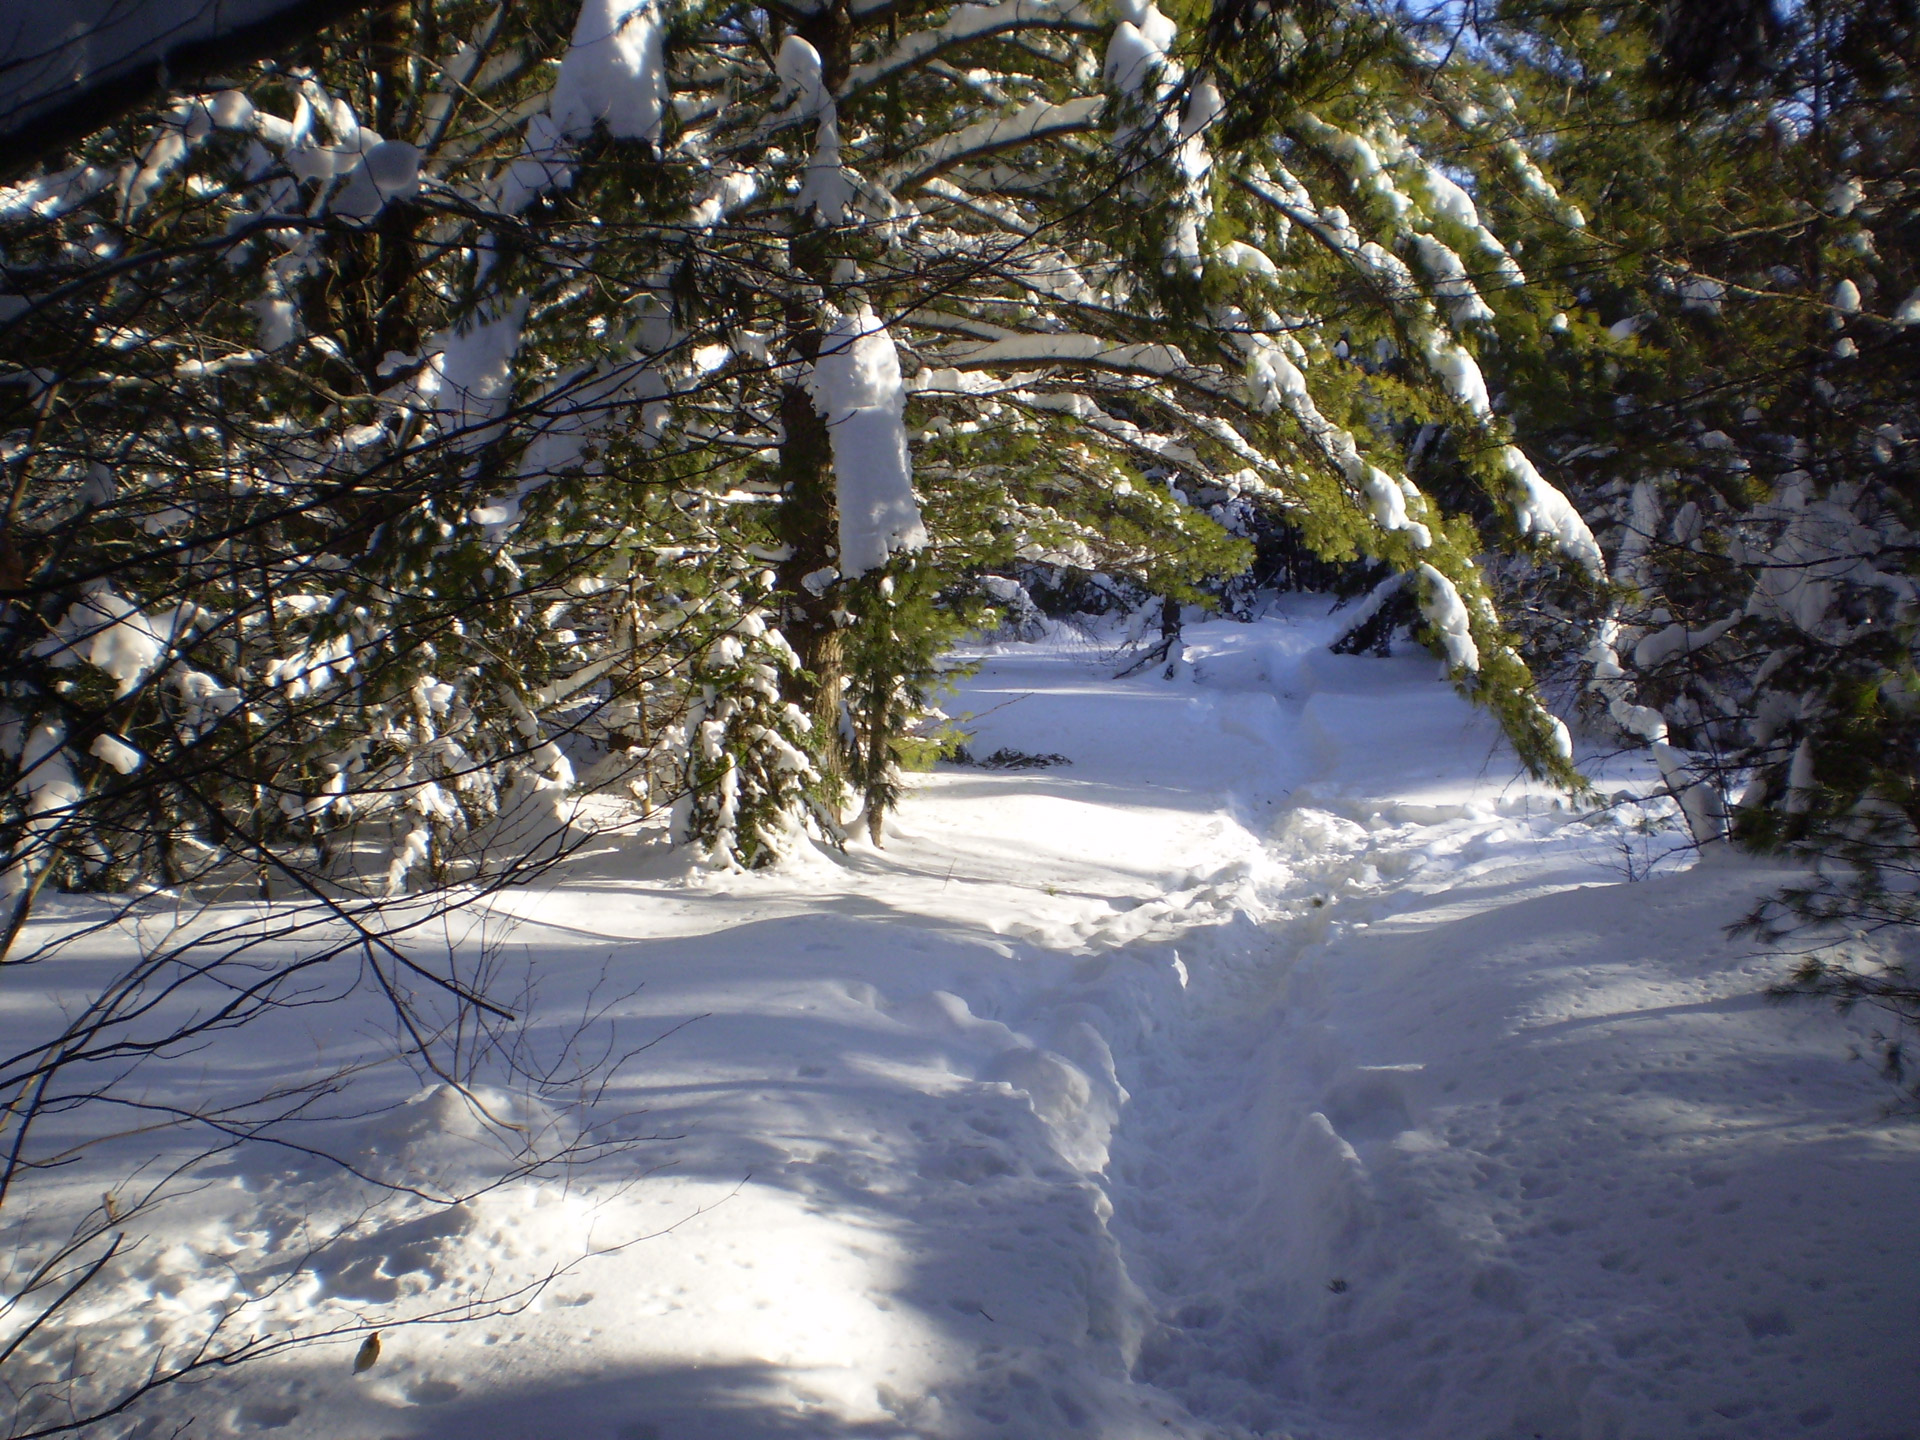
(722, 286)
(1010, 241)
(1743, 424)
(283, 578)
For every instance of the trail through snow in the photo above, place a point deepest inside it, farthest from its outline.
(1281, 1066)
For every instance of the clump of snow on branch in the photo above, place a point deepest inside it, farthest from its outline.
(114, 751)
(1138, 52)
(543, 165)
(1446, 612)
(1459, 372)
(1275, 382)
(1537, 185)
(1540, 509)
(388, 171)
(51, 196)
(1450, 281)
(1453, 204)
(1140, 66)
(825, 191)
(614, 73)
(108, 631)
(1387, 498)
(50, 787)
(473, 367)
(1193, 163)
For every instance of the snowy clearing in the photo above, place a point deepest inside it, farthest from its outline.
(1282, 1066)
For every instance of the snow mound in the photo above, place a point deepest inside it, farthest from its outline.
(1285, 1065)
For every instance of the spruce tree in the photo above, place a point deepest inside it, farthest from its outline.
(1739, 419)
(1025, 222)
(498, 390)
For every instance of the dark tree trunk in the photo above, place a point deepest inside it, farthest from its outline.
(808, 520)
(809, 527)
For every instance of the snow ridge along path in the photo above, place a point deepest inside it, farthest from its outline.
(1279, 1067)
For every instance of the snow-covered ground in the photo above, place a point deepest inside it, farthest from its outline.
(1282, 1066)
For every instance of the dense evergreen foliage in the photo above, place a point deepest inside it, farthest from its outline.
(485, 390)
(1743, 430)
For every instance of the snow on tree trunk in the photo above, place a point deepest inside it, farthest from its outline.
(859, 392)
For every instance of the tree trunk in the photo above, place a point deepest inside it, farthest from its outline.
(809, 526)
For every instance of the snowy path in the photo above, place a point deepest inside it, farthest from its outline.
(1279, 1067)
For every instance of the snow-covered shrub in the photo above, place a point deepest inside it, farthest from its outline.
(752, 786)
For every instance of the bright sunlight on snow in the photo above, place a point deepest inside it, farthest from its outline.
(1280, 1066)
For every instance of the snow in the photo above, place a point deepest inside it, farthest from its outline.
(1336, 228)
(50, 196)
(232, 110)
(1541, 509)
(387, 171)
(46, 771)
(1067, 348)
(857, 388)
(1387, 499)
(1440, 602)
(1388, 270)
(1458, 371)
(1249, 258)
(1205, 106)
(1137, 53)
(115, 752)
(473, 365)
(963, 22)
(1659, 646)
(826, 190)
(45, 779)
(1358, 154)
(1140, 66)
(729, 193)
(1817, 547)
(1800, 779)
(614, 72)
(1450, 281)
(1036, 120)
(1282, 1065)
(1701, 293)
(542, 165)
(1450, 201)
(108, 631)
(1273, 380)
(1536, 184)
(799, 67)
(1453, 204)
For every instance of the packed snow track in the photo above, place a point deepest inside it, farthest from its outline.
(1281, 1066)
